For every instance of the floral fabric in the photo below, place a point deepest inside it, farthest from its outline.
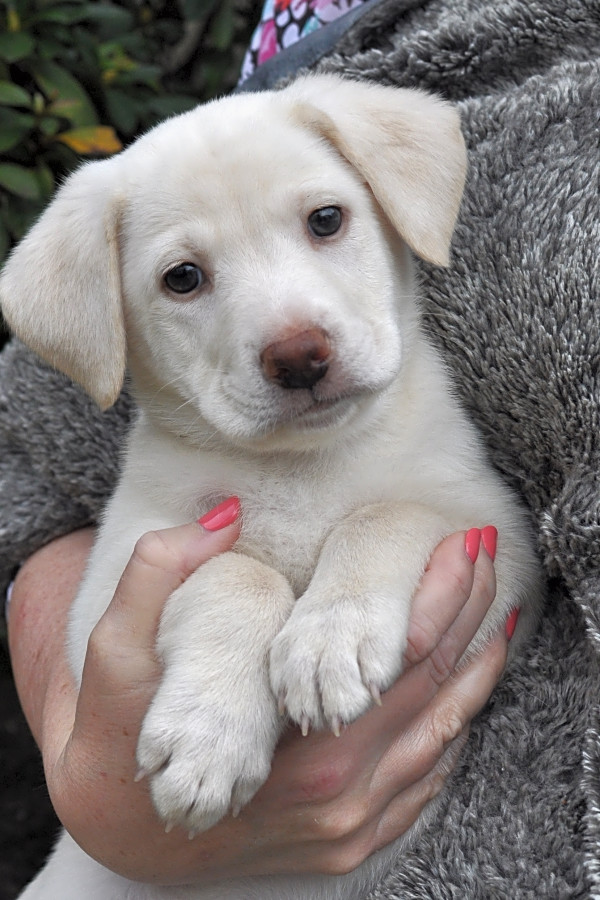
(283, 22)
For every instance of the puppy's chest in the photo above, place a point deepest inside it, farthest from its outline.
(285, 522)
(290, 504)
(288, 511)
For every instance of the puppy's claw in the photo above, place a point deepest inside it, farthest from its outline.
(281, 704)
(140, 774)
(192, 834)
(304, 725)
(375, 693)
(336, 726)
(169, 827)
(236, 810)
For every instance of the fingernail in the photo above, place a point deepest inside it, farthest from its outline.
(489, 539)
(511, 623)
(222, 515)
(472, 542)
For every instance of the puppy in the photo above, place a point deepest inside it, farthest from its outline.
(250, 263)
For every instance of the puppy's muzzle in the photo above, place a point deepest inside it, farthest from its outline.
(299, 361)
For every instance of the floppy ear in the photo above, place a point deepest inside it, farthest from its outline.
(60, 288)
(406, 144)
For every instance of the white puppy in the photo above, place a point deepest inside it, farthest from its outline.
(249, 262)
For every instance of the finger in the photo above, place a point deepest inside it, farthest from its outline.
(442, 595)
(453, 644)
(418, 749)
(344, 833)
(120, 667)
(404, 808)
(418, 684)
(161, 562)
(468, 690)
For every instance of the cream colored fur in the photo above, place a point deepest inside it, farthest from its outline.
(346, 486)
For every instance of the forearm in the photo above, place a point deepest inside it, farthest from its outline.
(42, 594)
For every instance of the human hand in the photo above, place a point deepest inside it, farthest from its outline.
(328, 803)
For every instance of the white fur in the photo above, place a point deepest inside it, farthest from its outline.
(345, 488)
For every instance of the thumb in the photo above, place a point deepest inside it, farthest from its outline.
(121, 662)
(160, 563)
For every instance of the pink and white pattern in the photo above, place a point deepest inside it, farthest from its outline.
(283, 22)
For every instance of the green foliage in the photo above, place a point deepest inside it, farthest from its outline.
(81, 78)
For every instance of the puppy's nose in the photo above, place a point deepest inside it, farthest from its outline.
(298, 361)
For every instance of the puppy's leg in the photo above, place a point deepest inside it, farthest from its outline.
(208, 737)
(344, 640)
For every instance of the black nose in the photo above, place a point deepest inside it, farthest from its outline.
(298, 361)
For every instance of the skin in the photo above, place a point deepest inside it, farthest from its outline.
(328, 803)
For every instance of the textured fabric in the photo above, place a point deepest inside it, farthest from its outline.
(517, 317)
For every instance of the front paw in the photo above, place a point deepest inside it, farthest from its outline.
(207, 739)
(204, 760)
(332, 659)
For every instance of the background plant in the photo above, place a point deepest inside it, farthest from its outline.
(81, 78)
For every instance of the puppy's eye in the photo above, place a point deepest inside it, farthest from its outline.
(184, 279)
(325, 222)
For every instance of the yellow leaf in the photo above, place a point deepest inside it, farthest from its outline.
(93, 141)
(12, 20)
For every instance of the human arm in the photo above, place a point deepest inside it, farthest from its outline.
(328, 803)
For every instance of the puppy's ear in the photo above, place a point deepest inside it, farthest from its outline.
(60, 288)
(406, 144)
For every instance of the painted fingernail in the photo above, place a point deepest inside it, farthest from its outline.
(222, 515)
(472, 542)
(489, 539)
(511, 623)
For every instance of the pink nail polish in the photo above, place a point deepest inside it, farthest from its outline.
(489, 539)
(222, 515)
(472, 543)
(511, 623)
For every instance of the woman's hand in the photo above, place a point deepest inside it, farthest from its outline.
(328, 803)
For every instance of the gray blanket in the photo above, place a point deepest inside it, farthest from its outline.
(518, 319)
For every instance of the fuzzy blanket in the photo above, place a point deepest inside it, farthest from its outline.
(517, 317)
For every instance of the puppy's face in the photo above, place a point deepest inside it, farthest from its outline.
(248, 260)
(266, 296)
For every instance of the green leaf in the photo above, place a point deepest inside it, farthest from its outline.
(60, 15)
(124, 112)
(171, 104)
(20, 214)
(46, 180)
(49, 125)
(223, 26)
(115, 17)
(21, 181)
(198, 9)
(13, 95)
(67, 97)
(14, 127)
(139, 74)
(15, 46)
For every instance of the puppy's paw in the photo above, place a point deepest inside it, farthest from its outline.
(333, 659)
(204, 761)
(209, 734)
